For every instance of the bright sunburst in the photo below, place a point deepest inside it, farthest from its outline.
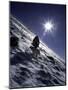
(48, 26)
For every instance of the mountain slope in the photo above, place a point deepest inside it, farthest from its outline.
(30, 67)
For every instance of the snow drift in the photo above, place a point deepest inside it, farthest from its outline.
(29, 67)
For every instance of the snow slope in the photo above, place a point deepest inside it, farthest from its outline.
(30, 67)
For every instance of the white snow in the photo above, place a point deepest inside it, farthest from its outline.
(32, 69)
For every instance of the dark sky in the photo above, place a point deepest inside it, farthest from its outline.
(33, 15)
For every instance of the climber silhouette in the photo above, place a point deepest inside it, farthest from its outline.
(35, 42)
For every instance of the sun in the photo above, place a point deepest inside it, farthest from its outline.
(48, 26)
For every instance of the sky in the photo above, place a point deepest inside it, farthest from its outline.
(34, 15)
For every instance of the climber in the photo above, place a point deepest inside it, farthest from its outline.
(35, 42)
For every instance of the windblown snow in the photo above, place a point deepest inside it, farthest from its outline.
(33, 68)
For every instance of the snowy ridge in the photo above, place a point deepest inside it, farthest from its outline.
(19, 25)
(33, 68)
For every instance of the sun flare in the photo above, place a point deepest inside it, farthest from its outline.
(48, 26)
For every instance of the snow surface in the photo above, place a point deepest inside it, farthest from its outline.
(33, 68)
